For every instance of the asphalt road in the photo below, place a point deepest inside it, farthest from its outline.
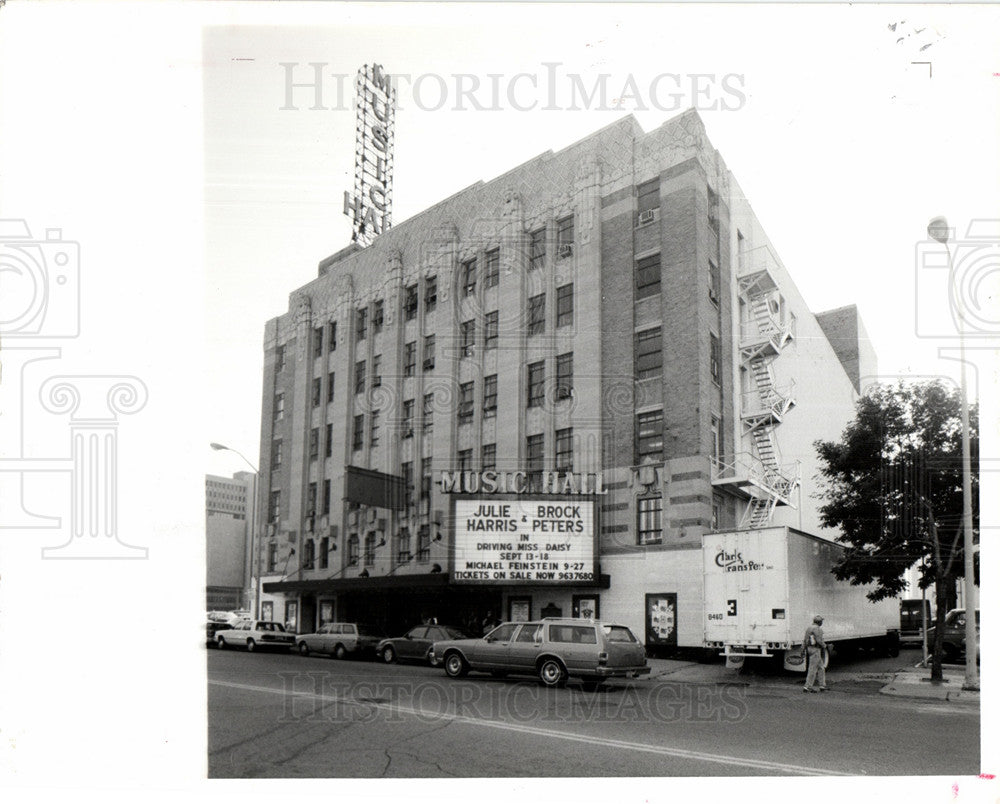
(282, 715)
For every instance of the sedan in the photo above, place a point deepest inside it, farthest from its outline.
(415, 644)
(256, 634)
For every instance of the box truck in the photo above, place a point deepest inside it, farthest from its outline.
(762, 588)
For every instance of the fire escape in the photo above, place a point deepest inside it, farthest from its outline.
(759, 476)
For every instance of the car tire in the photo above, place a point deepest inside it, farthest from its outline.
(455, 665)
(388, 654)
(251, 646)
(340, 652)
(552, 673)
(303, 649)
(221, 643)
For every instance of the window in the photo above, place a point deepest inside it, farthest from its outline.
(715, 359)
(465, 460)
(467, 334)
(536, 460)
(324, 552)
(649, 518)
(410, 303)
(314, 443)
(410, 359)
(407, 423)
(430, 294)
(331, 335)
(326, 497)
(279, 407)
(536, 314)
(564, 306)
(466, 402)
(564, 376)
(536, 250)
(370, 549)
(428, 413)
(717, 504)
(359, 377)
(489, 457)
(358, 437)
(564, 450)
(353, 545)
(649, 197)
(491, 272)
(649, 436)
(536, 384)
(308, 554)
(276, 453)
(425, 478)
(274, 507)
(311, 501)
(376, 371)
(648, 354)
(373, 421)
(361, 323)
(403, 546)
(318, 342)
(424, 543)
(564, 236)
(491, 333)
(469, 277)
(378, 317)
(647, 277)
(317, 391)
(428, 353)
(329, 441)
(716, 441)
(329, 387)
(279, 358)
(489, 396)
(272, 557)
(406, 472)
(713, 210)
(714, 282)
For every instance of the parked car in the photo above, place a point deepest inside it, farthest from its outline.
(554, 649)
(340, 640)
(954, 635)
(415, 644)
(254, 635)
(221, 621)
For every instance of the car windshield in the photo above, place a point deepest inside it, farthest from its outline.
(957, 618)
(618, 633)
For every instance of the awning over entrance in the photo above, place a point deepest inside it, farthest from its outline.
(431, 580)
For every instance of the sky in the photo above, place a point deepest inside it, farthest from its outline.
(148, 142)
(847, 127)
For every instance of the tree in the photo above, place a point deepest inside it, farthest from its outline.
(893, 486)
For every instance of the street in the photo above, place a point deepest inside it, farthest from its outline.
(282, 715)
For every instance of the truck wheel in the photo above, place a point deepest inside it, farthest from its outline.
(892, 645)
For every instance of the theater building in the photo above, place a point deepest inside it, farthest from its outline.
(533, 398)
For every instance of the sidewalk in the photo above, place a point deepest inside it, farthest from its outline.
(915, 683)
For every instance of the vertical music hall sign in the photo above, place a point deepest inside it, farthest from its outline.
(370, 208)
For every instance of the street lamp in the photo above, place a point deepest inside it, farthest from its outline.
(254, 596)
(938, 230)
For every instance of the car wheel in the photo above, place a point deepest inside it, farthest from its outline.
(303, 649)
(552, 673)
(340, 652)
(455, 666)
(222, 643)
(388, 655)
(251, 646)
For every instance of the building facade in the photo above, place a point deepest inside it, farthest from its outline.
(228, 529)
(600, 342)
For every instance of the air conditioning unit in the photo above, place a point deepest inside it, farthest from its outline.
(408, 432)
(565, 249)
(376, 382)
(564, 393)
(429, 364)
(648, 216)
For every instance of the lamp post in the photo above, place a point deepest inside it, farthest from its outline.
(938, 230)
(254, 594)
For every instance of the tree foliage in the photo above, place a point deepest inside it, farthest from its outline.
(893, 486)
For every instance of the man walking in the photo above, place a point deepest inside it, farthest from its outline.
(815, 648)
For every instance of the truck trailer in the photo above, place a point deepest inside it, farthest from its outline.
(763, 587)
